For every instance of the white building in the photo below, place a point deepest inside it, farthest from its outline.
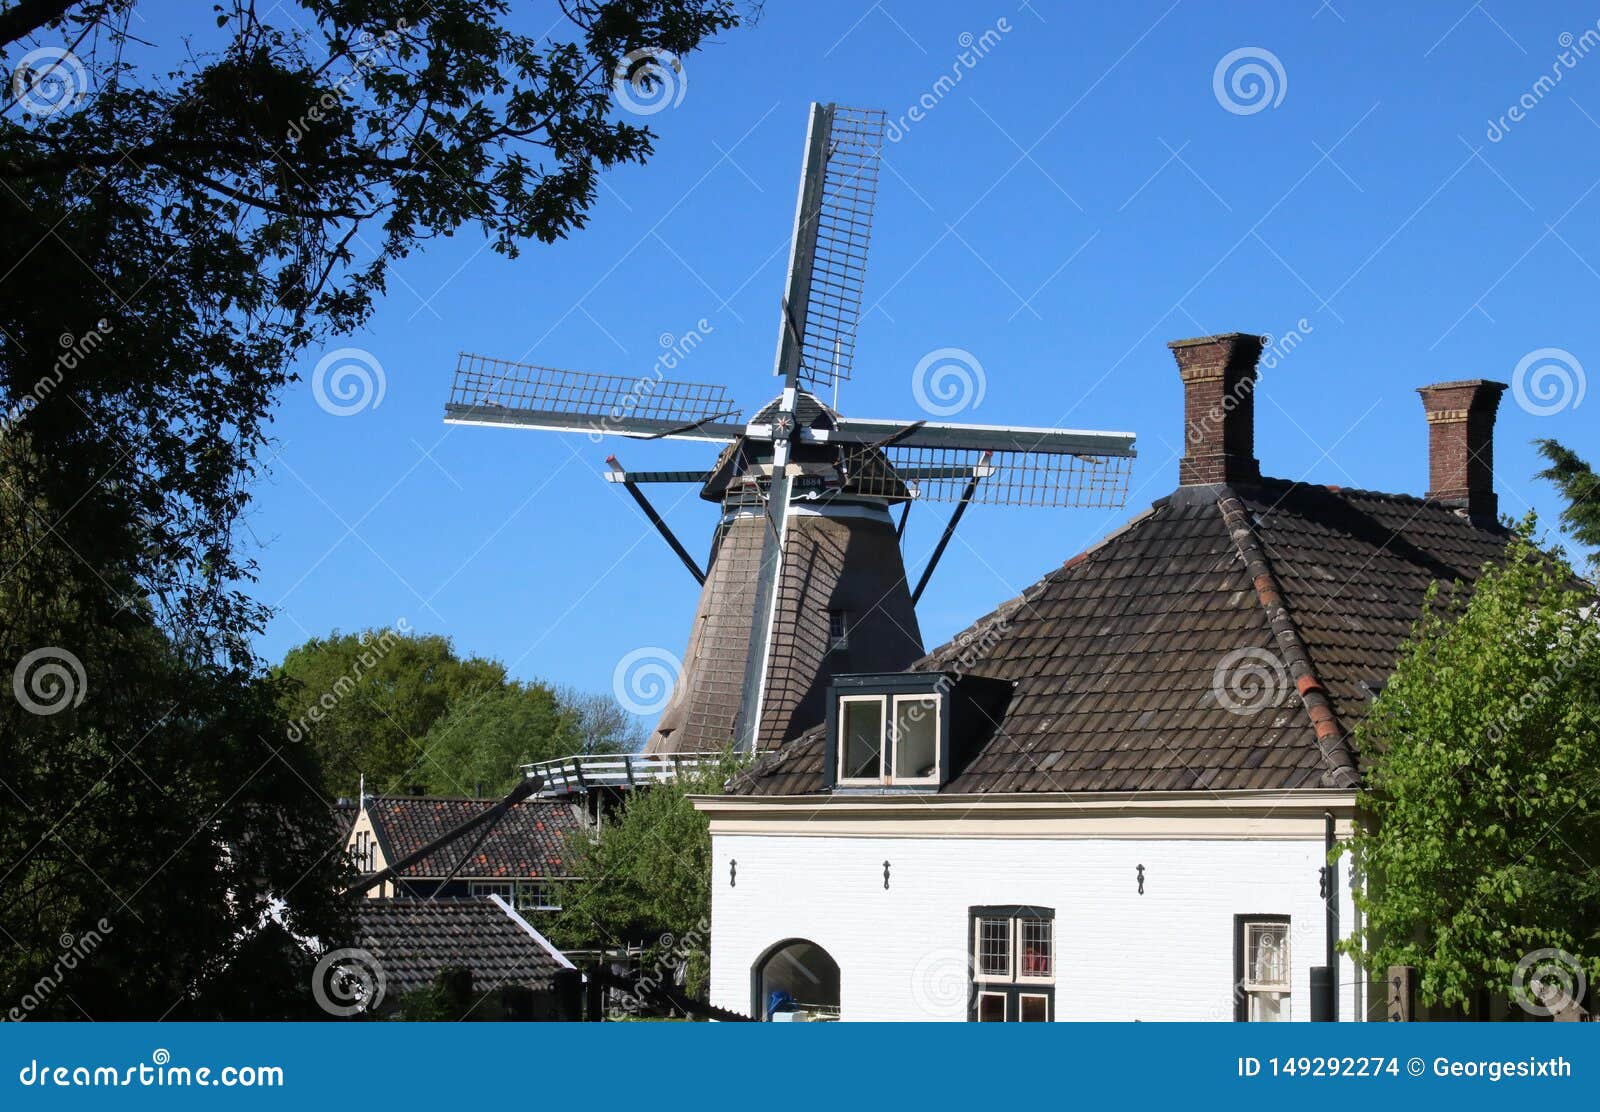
(1109, 799)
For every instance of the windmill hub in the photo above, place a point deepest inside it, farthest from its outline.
(805, 578)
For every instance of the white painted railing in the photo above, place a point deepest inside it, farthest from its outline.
(585, 771)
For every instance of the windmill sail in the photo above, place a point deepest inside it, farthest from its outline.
(805, 579)
(498, 392)
(1018, 466)
(853, 149)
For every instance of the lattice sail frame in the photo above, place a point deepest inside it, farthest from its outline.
(943, 474)
(482, 382)
(854, 150)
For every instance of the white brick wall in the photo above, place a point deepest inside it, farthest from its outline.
(1165, 955)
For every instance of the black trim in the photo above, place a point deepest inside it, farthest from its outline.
(1241, 998)
(758, 1006)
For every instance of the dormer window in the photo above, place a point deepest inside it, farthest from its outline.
(888, 739)
(906, 731)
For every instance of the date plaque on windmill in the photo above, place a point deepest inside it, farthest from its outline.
(802, 486)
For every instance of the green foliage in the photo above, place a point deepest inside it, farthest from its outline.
(153, 808)
(404, 709)
(648, 875)
(1580, 486)
(1482, 805)
(368, 700)
(189, 233)
(479, 744)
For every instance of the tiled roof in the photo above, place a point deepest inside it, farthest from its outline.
(413, 940)
(1136, 663)
(529, 840)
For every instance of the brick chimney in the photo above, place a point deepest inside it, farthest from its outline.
(1219, 409)
(1461, 443)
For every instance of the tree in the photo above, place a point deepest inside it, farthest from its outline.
(368, 700)
(404, 709)
(1482, 802)
(603, 725)
(477, 748)
(162, 845)
(1579, 485)
(193, 218)
(189, 233)
(647, 878)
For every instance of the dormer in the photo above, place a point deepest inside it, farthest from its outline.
(906, 731)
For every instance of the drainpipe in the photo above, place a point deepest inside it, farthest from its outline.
(1332, 913)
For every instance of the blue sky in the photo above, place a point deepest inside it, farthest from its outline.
(1081, 197)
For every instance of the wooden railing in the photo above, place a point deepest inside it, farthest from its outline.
(584, 772)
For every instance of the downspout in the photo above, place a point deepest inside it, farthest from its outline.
(1331, 915)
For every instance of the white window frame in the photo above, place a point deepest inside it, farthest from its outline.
(1014, 963)
(1004, 1018)
(1040, 996)
(541, 896)
(842, 747)
(492, 888)
(894, 716)
(1023, 978)
(1250, 987)
(888, 713)
(978, 972)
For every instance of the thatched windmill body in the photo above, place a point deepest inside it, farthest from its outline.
(805, 578)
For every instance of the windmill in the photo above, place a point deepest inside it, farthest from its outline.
(805, 578)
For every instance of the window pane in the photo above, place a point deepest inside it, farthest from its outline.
(1038, 957)
(994, 947)
(863, 740)
(1268, 953)
(916, 738)
(1268, 1007)
(1035, 1009)
(991, 1007)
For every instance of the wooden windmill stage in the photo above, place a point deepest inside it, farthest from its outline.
(805, 579)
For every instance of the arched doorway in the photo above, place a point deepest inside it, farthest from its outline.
(796, 980)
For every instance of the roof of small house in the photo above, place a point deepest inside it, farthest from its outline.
(1224, 639)
(529, 840)
(414, 940)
